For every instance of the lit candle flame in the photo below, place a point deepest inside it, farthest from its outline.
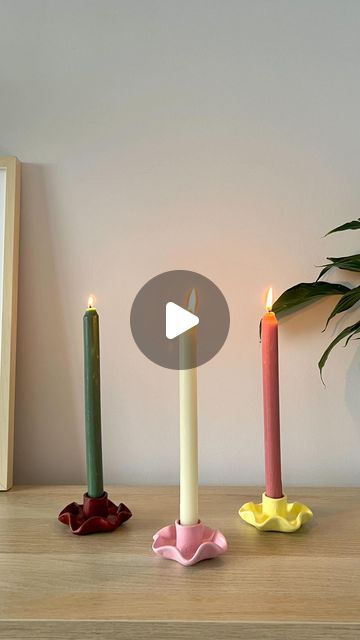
(91, 302)
(192, 301)
(269, 300)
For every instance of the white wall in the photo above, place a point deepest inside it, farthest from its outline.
(221, 137)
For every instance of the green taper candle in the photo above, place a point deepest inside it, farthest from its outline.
(92, 402)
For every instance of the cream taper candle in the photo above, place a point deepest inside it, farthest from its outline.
(189, 510)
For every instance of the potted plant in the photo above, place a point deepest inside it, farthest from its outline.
(307, 292)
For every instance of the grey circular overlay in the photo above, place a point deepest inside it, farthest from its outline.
(148, 318)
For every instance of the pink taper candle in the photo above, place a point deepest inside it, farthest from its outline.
(270, 366)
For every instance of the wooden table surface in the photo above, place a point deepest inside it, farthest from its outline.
(269, 585)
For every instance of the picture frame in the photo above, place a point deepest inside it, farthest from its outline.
(10, 176)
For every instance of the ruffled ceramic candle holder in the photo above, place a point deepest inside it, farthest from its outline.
(189, 544)
(95, 515)
(275, 514)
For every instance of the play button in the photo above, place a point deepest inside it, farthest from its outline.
(178, 320)
(169, 305)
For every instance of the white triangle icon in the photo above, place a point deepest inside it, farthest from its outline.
(178, 320)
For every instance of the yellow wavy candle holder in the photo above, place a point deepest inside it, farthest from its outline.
(275, 514)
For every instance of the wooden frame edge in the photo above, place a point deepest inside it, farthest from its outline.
(9, 318)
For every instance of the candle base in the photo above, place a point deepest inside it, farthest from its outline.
(275, 514)
(189, 544)
(95, 515)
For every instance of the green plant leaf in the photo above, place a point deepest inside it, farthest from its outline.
(326, 268)
(348, 263)
(354, 224)
(347, 301)
(306, 292)
(348, 333)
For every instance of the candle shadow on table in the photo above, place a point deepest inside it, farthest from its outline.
(47, 438)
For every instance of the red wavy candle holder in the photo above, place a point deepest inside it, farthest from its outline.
(95, 515)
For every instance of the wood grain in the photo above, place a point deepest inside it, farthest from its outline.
(9, 277)
(269, 585)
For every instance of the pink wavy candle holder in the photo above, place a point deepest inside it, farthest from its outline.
(95, 515)
(189, 544)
